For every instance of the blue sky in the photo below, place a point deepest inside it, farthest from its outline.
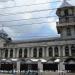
(25, 29)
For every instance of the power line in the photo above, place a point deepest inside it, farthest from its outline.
(7, 14)
(29, 19)
(31, 4)
(28, 24)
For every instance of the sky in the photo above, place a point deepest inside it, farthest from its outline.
(29, 27)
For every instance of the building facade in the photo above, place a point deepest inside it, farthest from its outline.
(50, 54)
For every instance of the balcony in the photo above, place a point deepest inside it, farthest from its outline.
(65, 24)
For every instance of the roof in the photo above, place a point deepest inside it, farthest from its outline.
(65, 4)
(36, 40)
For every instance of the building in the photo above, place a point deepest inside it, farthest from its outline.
(50, 54)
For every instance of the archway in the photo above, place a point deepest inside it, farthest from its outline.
(70, 65)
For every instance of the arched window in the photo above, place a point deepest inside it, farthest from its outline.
(11, 53)
(25, 52)
(66, 51)
(20, 53)
(40, 52)
(68, 31)
(73, 50)
(50, 51)
(56, 51)
(35, 52)
(6, 53)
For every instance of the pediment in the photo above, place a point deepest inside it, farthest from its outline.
(71, 62)
(50, 61)
(28, 61)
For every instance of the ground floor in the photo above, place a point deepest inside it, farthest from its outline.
(37, 65)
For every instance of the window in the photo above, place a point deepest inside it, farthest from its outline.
(6, 53)
(56, 51)
(68, 31)
(25, 52)
(66, 51)
(11, 53)
(73, 50)
(50, 51)
(20, 53)
(66, 19)
(40, 52)
(66, 12)
(34, 52)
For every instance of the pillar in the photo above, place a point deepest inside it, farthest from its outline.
(8, 53)
(14, 54)
(53, 51)
(63, 50)
(43, 51)
(3, 53)
(40, 66)
(70, 50)
(28, 52)
(0, 53)
(22, 52)
(47, 52)
(18, 67)
(31, 52)
(59, 50)
(17, 53)
(37, 51)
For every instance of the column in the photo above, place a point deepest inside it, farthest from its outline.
(28, 52)
(63, 50)
(53, 51)
(43, 51)
(3, 53)
(37, 51)
(9, 53)
(47, 52)
(14, 53)
(0, 53)
(70, 51)
(31, 52)
(17, 52)
(18, 67)
(22, 52)
(59, 50)
(40, 66)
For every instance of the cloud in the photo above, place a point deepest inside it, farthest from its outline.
(26, 28)
(5, 0)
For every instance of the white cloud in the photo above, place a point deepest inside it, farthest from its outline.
(5, 0)
(52, 24)
(23, 28)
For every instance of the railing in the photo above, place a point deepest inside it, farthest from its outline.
(65, 24)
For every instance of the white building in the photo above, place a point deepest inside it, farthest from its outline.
(49, 54)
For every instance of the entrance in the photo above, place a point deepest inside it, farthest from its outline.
(6, 67)
(70, 65)
(26, 67)
(50, 66)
